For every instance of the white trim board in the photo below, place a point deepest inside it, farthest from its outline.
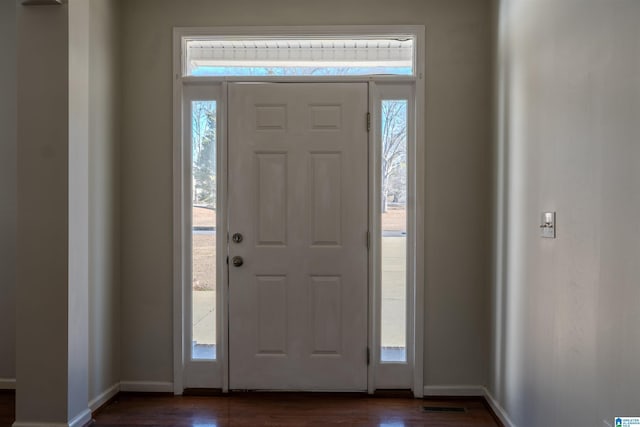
(34, 424)
(471, 391)
(7, 384)
(81, 420)
(180, 82)
(498, 409)
(146, 386)
(104, 397)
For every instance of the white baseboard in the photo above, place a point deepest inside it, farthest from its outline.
(7, 384)
(34, 424)
(130, 386)
(471, 390)
(146, 386)
(454, 390)
(81, 420)
(167, 387)
(85, 416)
(498, 409)
(104, 397)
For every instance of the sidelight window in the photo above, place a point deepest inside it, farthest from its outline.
(203, 229)
(395, 224)
(393, 230)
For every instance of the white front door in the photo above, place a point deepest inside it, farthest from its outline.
(298, 196)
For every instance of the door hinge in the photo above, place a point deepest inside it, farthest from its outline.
(368, 240)
(368, 122)
(368, 356)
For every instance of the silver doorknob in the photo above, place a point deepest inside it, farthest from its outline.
(237, 261)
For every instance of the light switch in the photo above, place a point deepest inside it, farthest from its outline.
(548, 225)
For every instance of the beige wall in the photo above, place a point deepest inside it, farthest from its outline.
(104, 197)
(458, 164)
(567, 333)
(7, 190)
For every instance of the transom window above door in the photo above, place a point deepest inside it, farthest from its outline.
(389, 55)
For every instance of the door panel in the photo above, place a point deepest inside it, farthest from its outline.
(298, 195)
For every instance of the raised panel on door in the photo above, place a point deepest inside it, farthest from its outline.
(325, 187)
(326, 315)
(271, 198)
(271, 309)
(298, 194)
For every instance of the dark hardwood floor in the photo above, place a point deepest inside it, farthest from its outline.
(7, 408)
(282, 409)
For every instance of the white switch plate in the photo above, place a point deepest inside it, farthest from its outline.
(548, 225)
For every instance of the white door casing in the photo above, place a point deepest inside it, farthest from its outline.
(298, 194)
(186, 86)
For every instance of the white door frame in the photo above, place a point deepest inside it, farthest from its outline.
(415, 254)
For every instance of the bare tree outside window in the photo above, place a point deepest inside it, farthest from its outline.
(394, 152)
(203, 220)
(204, 120)
(393, 221)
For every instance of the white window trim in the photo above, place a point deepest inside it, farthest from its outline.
(293, 32)
(393, 375)
(199, 373)
(415, 254)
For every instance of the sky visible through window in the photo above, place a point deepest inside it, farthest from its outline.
(209, 71)
(305, 56)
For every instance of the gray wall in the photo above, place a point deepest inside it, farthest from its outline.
(104, 197)
(69, 176)
(42, 266)
(458, 164)
(568, 309)
(7, 188)
(78, 209)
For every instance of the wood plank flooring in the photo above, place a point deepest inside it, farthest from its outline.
(281, 409)
(7, 408)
